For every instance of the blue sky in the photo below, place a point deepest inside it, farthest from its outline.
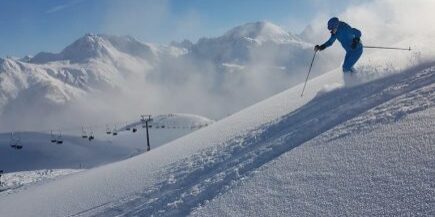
(30, 26)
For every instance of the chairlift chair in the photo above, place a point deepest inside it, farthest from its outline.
(15, 142)
(108, 132)
(84, 134)
(115, 131)
(91, 136)
(53, 139)
(59, 139)
(16, 145)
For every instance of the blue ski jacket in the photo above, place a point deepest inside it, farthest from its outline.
(345, 35)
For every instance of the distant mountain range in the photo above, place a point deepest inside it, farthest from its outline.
(247, 63)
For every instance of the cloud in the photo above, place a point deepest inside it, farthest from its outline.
(384, 22)
(63, 6)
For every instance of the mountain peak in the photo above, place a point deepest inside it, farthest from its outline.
(97, 45)
(261, 31)
(88, 46)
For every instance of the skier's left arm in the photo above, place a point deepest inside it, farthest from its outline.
(328, 43)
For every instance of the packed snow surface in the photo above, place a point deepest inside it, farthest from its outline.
(357, 145)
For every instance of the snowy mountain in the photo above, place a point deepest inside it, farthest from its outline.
(362, 150)
(246, 64)
(52, 82)
(92, 46)
(252, 42)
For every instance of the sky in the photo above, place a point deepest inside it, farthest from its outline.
(29, 26)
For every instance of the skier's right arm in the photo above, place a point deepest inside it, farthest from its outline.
(328, 43)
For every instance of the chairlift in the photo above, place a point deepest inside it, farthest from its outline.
(53, 138)
(108, 131)
(91, 136)
(142, 120)
(15, 142)
(84, 134)
(145, 121)
(114, 131)
(59, 138)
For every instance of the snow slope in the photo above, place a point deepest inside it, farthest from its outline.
(380, 163)
(18, 181)
(177, 178)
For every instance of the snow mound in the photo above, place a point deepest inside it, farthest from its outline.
(173, 121)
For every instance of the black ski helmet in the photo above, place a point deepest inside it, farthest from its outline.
(333, 23)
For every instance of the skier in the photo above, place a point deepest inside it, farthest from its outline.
(350, 40)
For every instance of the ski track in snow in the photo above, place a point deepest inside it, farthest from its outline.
(200, 178)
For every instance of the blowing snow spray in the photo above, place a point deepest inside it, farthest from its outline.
(369, 47)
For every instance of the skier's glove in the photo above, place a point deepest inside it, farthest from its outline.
(319, 47)
(355, 42)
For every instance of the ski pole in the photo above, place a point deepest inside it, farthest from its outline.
(388, 48)
(311, 66)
